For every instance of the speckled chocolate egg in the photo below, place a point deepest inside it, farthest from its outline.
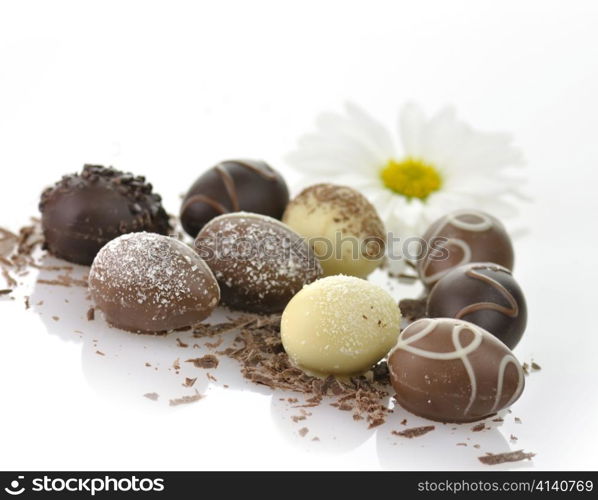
(259, 262)
(339, 325)
(343, 227)
(150, 283)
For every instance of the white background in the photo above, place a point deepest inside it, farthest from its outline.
(168, 89)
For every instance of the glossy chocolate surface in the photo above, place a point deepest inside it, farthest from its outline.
(450, 370)
(484, 294)
(462, 237)
(234, 186)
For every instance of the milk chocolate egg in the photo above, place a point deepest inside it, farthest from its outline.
(339, 325)
(342, 226)
(151, 283)
(259, 262)
(450, 370)
(83, 212)
(233, 186)
(462, 237)
(484, 294)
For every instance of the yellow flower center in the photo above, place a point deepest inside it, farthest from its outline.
(411, 177)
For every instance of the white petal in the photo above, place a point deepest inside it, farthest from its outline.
(411, 124)
(377, 134)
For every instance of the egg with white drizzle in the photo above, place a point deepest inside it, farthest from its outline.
(451, 370)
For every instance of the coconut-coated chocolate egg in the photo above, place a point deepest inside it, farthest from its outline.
(259, 262)
(150, 283)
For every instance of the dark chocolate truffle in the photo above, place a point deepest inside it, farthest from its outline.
(147, 283)
(450, 370)
(462, 237)
(485, 294)
(259, 262)
(83, 212)
(233, 186)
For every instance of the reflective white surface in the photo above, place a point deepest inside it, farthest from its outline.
(167, 92)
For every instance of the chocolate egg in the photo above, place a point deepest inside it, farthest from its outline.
(233, 186)
(450, 370)
(149, 283)
(343, 227)
(462, 237)
(484, 294)
(339, 325)
(259, 262)
(83, 212)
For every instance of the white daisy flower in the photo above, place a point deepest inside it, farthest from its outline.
(444, 165)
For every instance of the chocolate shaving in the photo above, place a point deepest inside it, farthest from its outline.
(258, 349)
(208, 361)
(303, 431)
(152, 395)
(413, 309)
(214, 345)
(180, 343)
(189, 381)
(536, 366)
(501, 458)
(91, 314)
(414, 431)
(479, 427)
(64, 280)
(209, 330)
(5, 291)
(186, 399)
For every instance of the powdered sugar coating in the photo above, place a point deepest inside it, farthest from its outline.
(259, 262)
(340, 325)
(147, 282)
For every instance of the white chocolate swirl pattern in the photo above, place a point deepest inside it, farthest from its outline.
(461, 352)
(455, 219)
